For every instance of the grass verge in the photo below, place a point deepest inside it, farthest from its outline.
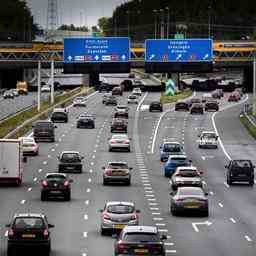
(179, 96)
(18, 120)
(248, 125)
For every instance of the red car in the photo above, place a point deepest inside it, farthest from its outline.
(234, 96)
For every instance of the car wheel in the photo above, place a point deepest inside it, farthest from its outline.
(128, 183)
(43, 196)
(206, 213)
(103, 232)
(173, 211)
(199, 146)
(129, 150)
(251, 182)
(10, 251)
(110, 149)
(174, 187)
(229, 181)
(68, 197)
(104, 182)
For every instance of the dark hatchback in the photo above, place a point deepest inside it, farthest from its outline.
(71, 162)
(118, 125)
(197, 108)
(59, 115)
(211, 106)
(156, 106)
(56, 185)
(44, 131)
(182, 105)
(140, 240)
(240, 171)
(29, 231)
(85, 122)
(111, 100)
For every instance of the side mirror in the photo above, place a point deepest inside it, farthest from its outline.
(101, 210)
(25, 159)
(172, 193)
(8, 225)
(71, 180)
(130, 168)
(137, 211)
(103, 167)
(55, 126)
(163, 237)
(51, 226)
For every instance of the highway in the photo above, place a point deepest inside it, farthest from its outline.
(231, 224)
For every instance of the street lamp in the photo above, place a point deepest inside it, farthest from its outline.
(155, 12)
(209, 21)
(168, 22)
(162, 24)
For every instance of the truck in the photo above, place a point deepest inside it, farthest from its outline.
(22, 87)
(11, 161)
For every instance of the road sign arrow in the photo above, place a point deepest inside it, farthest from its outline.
(70, 58)
(152, 56)
(206, 56)
(123, 57)
(96, 57)
(178, 57)
(195, 224)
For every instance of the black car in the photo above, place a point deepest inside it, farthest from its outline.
(121, 114)
(118, 125)
(85, 121)
(211, 106)
(56, 185)
(140, 240)
(182, 105)
(71, 162)
(197, 108)
(30, 231)
(240, 171)
(155, 106)
(104, 87)
(8, 95)
(59, 115)
(44, 130)
(111, 100)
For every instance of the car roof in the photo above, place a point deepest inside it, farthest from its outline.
(190, 188)
(27, 139)
(117, 162)
(171, 142)
(212, 132)
(143, 229)
(59, 110)
(36, 215)
(177, 156)
(69, 151)
(186, 168)
(55, 173)
(119, 203)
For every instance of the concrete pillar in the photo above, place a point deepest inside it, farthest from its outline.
(248, 78)
(94, 80)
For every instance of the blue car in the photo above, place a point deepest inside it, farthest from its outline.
(175, 161)
(170, 148)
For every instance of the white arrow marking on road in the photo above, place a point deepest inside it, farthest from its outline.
(195, 224)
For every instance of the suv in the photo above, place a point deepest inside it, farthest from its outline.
(86, 121)
(182, 105)
(140, 240)
(44, 130)
(29, 230)
(59, 115)
(211, 106)
(70, 161)
(155, 106)
(56, 185)
(197, 108)
(118, 125)
(241, 171)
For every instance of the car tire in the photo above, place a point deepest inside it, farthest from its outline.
(174, 187)
(199, 146)
(251, 182)
(173, 211)
(103, 232)
(128, 183)
(206, 213)
(229, 181)
(68, 197)
(105, 183)
(43, 196)
(110, 150)
(129, 150)
(10, 250)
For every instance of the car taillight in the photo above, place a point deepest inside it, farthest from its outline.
(46, 233)
(66, 183)
(113, 141)
(134, 217)
(126, 142)
(106, 216)
(156, 248)
(10, 232)
(122, 248)
(179, 200)
(45, 183)
(108, 172)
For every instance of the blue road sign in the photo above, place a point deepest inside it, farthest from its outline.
(100, 49)
(178, 50)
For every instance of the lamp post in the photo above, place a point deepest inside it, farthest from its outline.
(128, 23)
(162, 24)
(155, 12)
(209, 21)
(168, 22)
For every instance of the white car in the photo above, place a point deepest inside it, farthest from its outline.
(119, 142)
(79, 101)
(137, 91)
(132, 99)
(208, 139)
(29, 146)
(45, 88)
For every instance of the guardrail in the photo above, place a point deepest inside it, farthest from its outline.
(247, 110)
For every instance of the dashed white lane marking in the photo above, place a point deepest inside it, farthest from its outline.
(35, 179)
(160, 224)
(89, 180)
(23, 201)
(211, 193)
(156, 213)
(87, 202)
(49, 156)
(40, 170)
(151, 199)
(84, 254)
(96, 145)
(63, 135)
(170, 251)
(163, 230)
(232, 220)
(153, 204)
(93, 156)
(6, 233)
(53, 149)
(92, 163)
(158, 219)
(90, 171)
(143, 172)
(145, 181)
(220, 205)
(148, 188)
(59, 139)
(149, 195)
(85, 234)
(86, 217)
(88, 190)
(154, 209)
(168, 244)
(56, 145)
(44, 162)
(248, 238)
(226, 184)
(29, 189)
(94, 151)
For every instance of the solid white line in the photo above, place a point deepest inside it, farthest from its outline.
(140, 103)
(226, 184)
(232, 220)
(85, 234)
(216, 130)
(158, 219)
(248, 238)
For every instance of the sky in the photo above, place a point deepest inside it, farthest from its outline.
(77, 12)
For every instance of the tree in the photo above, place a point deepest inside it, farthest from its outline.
(103, 24)
(95, 29)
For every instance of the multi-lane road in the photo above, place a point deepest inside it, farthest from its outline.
(229, 230)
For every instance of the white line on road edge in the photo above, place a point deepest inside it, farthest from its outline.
(232, 220)
(216, 130)
(248, 238)
(85, 234)
(140, 103)
(158, 124)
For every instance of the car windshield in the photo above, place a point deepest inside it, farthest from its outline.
(79, 98)
(118, 166)
(187, 173)
(28, 144)
(141, 237)
(185, 191)
(120, 209)
(70, 156)
(119, 137)
(59, 114)
(209, 136)
(28, 222)
(172, 148)
(242, 163)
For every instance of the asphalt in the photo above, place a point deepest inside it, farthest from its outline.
(77, 222)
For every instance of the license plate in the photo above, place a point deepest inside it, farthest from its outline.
(28, 235)
(119, 226)
(192, 206)
(141, 250)
(70, 167)
(118, 173)
(55, 192)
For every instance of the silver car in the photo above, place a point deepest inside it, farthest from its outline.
(116, 215)
(132, 99)
(119, 142)
(79, 101)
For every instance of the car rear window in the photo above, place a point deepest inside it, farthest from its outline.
(191, 191)
(120, 209)
(118, 166)
(141, 237)
(208, 136)
(70, 156)
(56, 177)
(187, 173)
(44, 125)
(28, 222)
(242, 163)
(172, 148)
(178, 159)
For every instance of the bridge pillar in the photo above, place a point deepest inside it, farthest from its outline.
(94, 79)
(248, 78)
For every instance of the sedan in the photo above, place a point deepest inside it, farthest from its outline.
(173, 162)
(111, 100)
(186, 176)
(132, 99)
(189, 199)
(211, 106)
(29, 146)
(137, 91)
(156, 106)
(119, 142)
(117, 172)
(182, 105)
(56, 185)
(85, 121)
(105, 96)
(79, 102)
(197, 108)
(70, 161)
(116, 215)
